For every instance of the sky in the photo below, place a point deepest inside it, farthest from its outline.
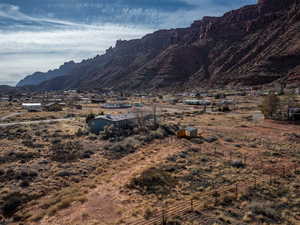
(39, 35)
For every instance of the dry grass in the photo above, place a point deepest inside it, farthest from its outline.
(97, 189)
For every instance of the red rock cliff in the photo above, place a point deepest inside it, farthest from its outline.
(253, 45)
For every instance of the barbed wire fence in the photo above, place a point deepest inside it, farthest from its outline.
(187, 208)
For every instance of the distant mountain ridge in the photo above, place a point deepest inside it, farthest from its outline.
(253, 45)
(39, 77)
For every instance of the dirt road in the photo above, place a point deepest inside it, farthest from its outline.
(34, 122)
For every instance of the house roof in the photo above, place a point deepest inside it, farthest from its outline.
(116, 118)
(117, 105)
(31, 104)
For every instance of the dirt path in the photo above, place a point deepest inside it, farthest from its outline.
(107, 203)
(11, 115)
(34, 122)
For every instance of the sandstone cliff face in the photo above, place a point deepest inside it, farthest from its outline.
(253, 45)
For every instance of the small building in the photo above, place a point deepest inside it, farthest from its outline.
(189, 132)
(226, 102)
(197, 102)
(85, 100)
(100, 122)
(138, 104)
(116, 106)
(32, 107)
(294, 114)
(53, 107)
(54, 100)
(4, 99)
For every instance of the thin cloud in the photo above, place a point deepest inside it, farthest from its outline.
(25, 52)
(13, 12)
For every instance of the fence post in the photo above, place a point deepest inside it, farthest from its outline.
(164, 222)
(236, 190)
(216, 197)
(215, 150)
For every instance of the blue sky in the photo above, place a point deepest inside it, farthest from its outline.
(38, 35)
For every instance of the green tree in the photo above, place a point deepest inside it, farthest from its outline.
(270, 105)
(90, 117)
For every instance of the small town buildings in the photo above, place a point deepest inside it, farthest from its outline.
(32, 107)
(54, 100)
(116, 106)
(138, 104)
(197, 102)
(4, 99)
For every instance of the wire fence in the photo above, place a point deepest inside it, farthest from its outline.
(189, 208)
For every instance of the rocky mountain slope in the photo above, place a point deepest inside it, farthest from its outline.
(39, 77)
(4, 89)
(253, 45)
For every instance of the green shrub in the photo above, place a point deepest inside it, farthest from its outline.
(266, 209)
(153, 181)
(90, 117)
(270, 106)
(125, 147)
(11, 203)
(64, 152)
